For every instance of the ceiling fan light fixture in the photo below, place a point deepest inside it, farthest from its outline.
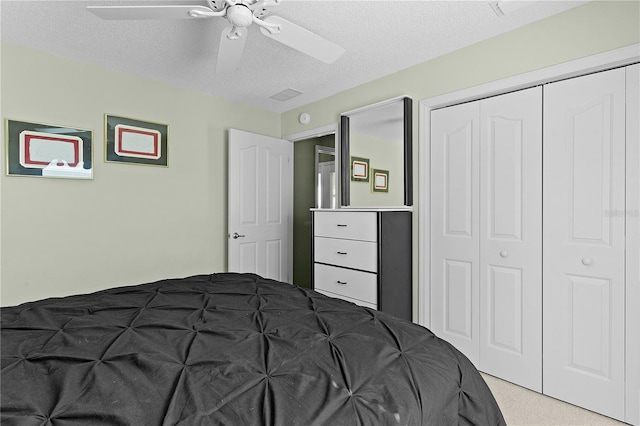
(239, 15)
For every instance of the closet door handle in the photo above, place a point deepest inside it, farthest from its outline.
(504, 253)
(587, 261)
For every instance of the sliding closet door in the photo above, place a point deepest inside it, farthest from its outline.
(511, 237)
(584, 241)
(454, 226)
(633, 245)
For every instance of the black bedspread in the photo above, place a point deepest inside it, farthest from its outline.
(232, 349)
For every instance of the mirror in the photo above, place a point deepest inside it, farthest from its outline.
(326, 196)
(376, 162)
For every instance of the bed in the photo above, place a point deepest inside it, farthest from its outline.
(229, 349)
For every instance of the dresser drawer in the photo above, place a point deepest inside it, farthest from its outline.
(349, 225)
(349, 299)
(350, 253)
(346, 282)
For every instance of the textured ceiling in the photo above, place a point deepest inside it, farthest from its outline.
(380, 37)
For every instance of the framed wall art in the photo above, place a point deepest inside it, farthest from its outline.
(132, 141)
(380, 180)
(45, 150)
(359, 169)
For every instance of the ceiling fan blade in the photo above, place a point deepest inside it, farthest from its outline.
(148, 12)
(230, 49)
(303, 40)
(263, 4)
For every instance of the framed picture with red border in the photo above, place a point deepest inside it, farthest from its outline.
(380, 180)
(46, 150)
(359, 169)
(132, 141)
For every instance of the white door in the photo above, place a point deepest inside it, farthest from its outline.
(633, 245)
(454, 226)
(511, 237)
(486, 233)
(584, 241)
(260, 205)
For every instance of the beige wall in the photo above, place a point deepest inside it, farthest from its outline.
(382, 154)
(133, 224)
(130, 224)
(593, 28)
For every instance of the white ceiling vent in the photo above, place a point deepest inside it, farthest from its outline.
(286, 94)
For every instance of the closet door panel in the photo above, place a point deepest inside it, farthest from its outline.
(633, 245)
(584, 241)
(511, 237)
(454, 226)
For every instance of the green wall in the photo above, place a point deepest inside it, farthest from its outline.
(130, 224)
(586, 30)
(595, 27)
(303, 200)
(382, 154)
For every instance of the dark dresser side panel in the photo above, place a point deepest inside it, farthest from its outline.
(396, 272)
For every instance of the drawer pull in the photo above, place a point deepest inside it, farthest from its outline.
(342, 225)
(342, 282)
(341, 252)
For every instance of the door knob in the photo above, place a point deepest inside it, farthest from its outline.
(235, 236)
(587, 261)
(504, 253)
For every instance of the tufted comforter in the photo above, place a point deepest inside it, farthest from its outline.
(229, 349)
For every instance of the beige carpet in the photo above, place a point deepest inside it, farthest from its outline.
(521, 407)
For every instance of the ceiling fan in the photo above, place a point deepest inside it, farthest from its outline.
(240, 14)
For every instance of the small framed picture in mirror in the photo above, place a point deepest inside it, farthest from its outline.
(380, 181)
(359, 169)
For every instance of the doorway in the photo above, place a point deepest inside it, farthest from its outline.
(307, 154)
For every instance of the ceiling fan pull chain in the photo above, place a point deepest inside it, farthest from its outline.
(234, 34)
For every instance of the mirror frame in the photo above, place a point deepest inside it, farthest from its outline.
(345, 166)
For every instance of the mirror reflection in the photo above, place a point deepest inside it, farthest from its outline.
(326, 194)
(376, 155)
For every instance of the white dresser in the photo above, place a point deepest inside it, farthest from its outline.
(364, 256)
